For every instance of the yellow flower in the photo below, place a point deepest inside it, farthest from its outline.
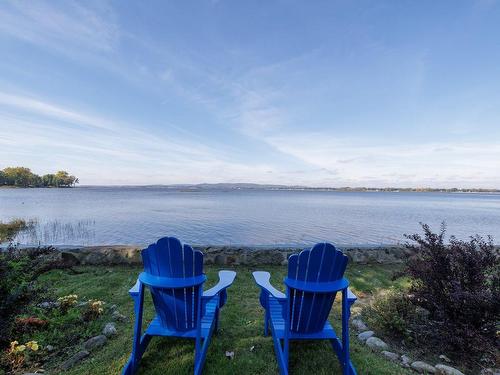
(33, 345)
(20, 348)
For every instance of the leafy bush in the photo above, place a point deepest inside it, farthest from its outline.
(396, 314)
(94, 308)
(459, 284)
(453, 300)
(23, 320)
(66, 302)
(18, 272)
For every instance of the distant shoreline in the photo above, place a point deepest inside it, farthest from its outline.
(35, 187)
(232, 187)
(256, 187)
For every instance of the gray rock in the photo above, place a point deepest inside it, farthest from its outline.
(116, 315)
(113, 307)
(359, 325)
(49, 348)
(423, 368)
(82, 304)
(490, 371)
(95, 342)
(422, 312)
(405, 361)
(390, 355)
(109, 330)
(74, 359)
(445, 358)
(220, 260)
(376, 344)
(47, 305)
(363, 336)
(447, 370)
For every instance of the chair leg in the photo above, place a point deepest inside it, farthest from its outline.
(139, 343)
(337, 346)
(216, 321)
(345, 333)
(280, 356)
(266, 323)
(201, 357)
(133, 362)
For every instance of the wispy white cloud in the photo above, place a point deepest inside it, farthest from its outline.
(41, 108)
(364, 161)
(108, 151)
(61, 25)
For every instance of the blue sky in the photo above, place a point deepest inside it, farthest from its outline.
(324, 93)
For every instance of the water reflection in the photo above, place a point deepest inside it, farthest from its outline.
(57, 232)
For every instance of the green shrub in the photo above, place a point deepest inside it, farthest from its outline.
(393, 313)
(18, 288)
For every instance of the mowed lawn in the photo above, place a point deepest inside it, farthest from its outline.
(241, 327)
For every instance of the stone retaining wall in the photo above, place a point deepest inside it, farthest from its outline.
(227, 255)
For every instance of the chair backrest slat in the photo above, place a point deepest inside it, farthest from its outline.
(323, 263)
(176, 308)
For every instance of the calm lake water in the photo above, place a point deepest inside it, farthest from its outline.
(97, 215)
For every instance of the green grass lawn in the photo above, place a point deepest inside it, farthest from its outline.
(241, 327)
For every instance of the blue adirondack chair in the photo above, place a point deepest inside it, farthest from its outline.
(314, 278)
(174, 274)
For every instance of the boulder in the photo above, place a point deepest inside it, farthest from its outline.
(445, 358)
(95, 342)
(390, 355)
(447, 370)
(359, 324)
(116, 315)
(74, 359)
(376, 344)
(363, 336)
(423, 368)
(405, 361)
(422, 312)
(109, 330)
(47, 305)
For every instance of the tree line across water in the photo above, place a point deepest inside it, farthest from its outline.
(23, 177)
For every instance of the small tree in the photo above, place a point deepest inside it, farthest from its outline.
(19, 176)
(48, 180)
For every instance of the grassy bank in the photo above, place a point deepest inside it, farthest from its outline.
(240, 330)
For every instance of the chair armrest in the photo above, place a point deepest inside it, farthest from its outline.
(134, 291)
(226, 278)
(351, 297)
(262, 279)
